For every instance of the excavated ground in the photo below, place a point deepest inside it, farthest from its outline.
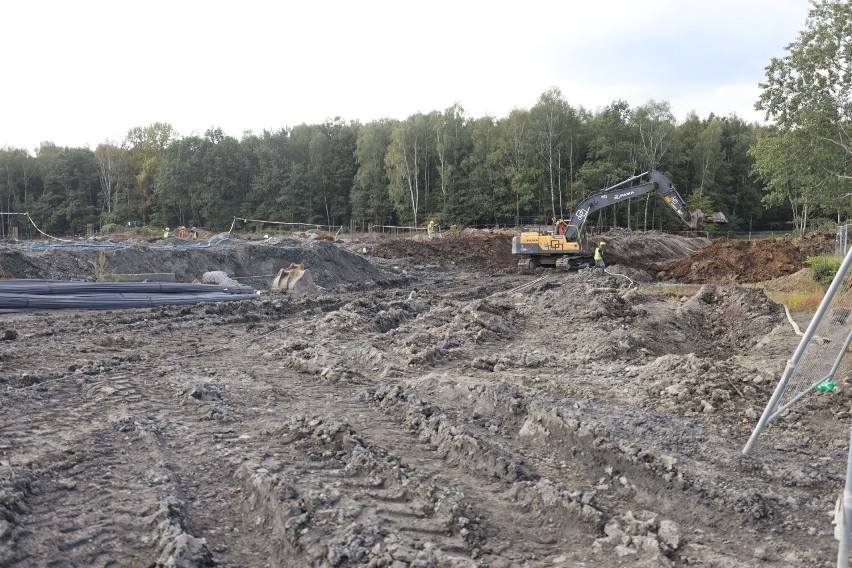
(431, 407)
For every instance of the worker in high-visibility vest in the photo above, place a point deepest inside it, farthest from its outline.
(599, 259)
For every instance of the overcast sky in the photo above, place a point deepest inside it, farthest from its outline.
(82, 72)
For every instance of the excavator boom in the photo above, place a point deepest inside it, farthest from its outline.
(614, 195)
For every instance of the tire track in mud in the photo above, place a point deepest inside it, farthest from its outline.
(646, 490)
(90, 485)
(599, 447)
(494, 531)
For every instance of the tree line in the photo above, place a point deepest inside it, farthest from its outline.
(529, 166)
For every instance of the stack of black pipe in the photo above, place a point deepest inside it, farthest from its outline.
(26, 295)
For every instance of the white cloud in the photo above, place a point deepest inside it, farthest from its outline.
(78, 73)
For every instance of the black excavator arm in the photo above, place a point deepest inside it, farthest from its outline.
(617, 193)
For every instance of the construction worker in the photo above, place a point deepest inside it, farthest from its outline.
(430, 228)
(166, 233)
(599, 260)
(560, 226)
(193, 232)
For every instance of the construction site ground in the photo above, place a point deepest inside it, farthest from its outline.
(431, 406)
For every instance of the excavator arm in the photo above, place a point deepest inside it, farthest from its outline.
(616, 194)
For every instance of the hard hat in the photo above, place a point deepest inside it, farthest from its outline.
(602, 243)
(167, 228)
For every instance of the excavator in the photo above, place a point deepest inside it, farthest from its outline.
(567, 246)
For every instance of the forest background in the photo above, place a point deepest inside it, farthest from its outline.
(790, 174)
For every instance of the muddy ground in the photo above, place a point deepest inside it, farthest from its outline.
(430, 407)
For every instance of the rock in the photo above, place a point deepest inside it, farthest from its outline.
(668, 462)
(669, 534)
(219, 278)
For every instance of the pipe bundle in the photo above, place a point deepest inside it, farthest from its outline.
(29, 295)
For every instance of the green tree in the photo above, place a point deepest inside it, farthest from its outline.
(516, 152)
(611, 157)
(489, 195)
(808, 95)
(549, 122)
(71, 187)
(405, 162)
(270, 159)
(792, 164)
(332, 168)
(110, 158)
(740, 200)
(449, 130)
(654, 124)
(706, 159)
(146, 147)
(369, 198)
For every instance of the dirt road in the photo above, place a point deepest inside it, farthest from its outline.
(436, 416)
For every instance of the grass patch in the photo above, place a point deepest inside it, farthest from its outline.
(805, 297)
(675, 291)
(799, 300)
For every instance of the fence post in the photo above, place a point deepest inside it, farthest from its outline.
(15, 233)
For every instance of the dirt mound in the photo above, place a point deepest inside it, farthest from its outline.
(472, 249)
(734, 261)
(648, 251)
(253, 263)
(800, 280)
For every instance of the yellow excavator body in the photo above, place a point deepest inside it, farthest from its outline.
(548, 242)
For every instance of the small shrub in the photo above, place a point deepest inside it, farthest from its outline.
(823, 268)
(108, 228)
(100, 267)
(148, 231)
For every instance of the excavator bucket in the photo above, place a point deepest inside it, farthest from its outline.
(295, 280)
(699, 216)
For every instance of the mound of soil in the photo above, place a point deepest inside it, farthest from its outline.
(252, 263)
(473, 249)
(735, 261)
(648, 251)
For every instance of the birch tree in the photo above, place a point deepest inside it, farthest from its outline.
(404, 166)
